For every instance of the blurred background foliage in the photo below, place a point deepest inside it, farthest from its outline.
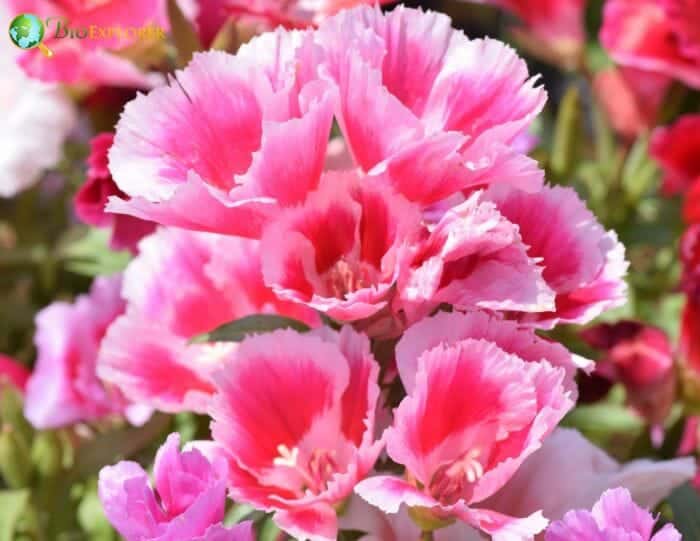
(47, 255)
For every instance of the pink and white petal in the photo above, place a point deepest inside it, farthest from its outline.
(667, 533)
(616, 509)
(151, 365)
(484, 393)
(314, 523)
(576, 525)
(174, 260)
(240, 532)
(374, 122)
(570, 245)
(212, 102)
(309, 376)
(503, 527)
(72, 63)
(195, 205)
(553, 402)
(483, 90)
(607, 291)
(288, 177)
(359, 400)
(388, 493)
(453, 327)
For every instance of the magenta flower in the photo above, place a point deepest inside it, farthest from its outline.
(90, 201)
(614, 516)
(661, 36)
(583, 264)
(495, 410)
(64, 387)
(257, 128)
(187, 503)
(295, 416)
(445, 125)
(183, 284)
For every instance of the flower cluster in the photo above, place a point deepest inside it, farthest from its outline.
(348, 275)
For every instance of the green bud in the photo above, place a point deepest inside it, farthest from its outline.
(47, 453)
(12, 411)
(15, 462)
(426, 520)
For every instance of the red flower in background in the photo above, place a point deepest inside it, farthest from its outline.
(11, 371)
(677, 150)
(661, 36)
(92, 197)
(639, 356)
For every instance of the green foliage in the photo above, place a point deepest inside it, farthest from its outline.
(12, 504)
(260, 323)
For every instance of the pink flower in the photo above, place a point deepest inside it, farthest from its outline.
(92, 197)
(655, 35)
(640, 357)
(12, 372)
(64, 387)
(187, 503)
(256, 127)
(294, 13)
(295, 415)
(445, 125)
(96, 59)
(473, 258)
(632, 98)
(569, 472)
(183, 284)
(556, 25)
(677, 149)
(614, 516)
(583, 263)
(342, 251)
(452, 327)
(495, 410)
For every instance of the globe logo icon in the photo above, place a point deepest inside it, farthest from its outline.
(27, 31)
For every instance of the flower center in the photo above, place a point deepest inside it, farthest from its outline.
(450, 480)
(315, 472)
(346, 277)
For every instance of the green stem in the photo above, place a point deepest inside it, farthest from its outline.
(427, 536)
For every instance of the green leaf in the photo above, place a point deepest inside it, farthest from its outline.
(239, 512)
(227, 38)
(350, 535)
(92, 519)
(183, 33)
(567, 131)
(116, 445)
(639, 171)
(685, 504)
(260, 323)
(605, 418)
(268, 531)
(12, 505)
(91, 255)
